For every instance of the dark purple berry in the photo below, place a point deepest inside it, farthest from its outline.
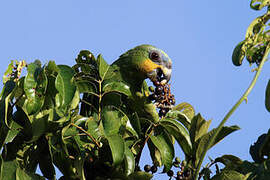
(179, 177)
(159, 90)
(152, 97)
(186, 173)
(170, 173)
(154, 169)
(147, 168)
(177, 160)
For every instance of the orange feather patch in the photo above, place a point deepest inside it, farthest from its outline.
(148, 66)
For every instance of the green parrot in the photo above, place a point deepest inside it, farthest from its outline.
(136, 65)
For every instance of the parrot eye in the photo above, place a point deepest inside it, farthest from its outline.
(154, 56)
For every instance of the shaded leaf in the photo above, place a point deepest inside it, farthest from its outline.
(164, 144)
(92, 127)
(179, 133)
(261, 148)
(199, 127)
(154, 153)
(35, 85)
(186, 109)
(238, 53)
(111, 120)
(129, 161)
(140, 175)
(229, 175)
(117, 147)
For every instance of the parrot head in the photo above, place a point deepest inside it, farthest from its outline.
(150, 62)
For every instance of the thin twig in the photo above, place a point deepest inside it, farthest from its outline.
(244, 97)
(89, 135)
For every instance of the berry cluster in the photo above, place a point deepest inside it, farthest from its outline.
(162, 97)
(184, 173)
(148, 168)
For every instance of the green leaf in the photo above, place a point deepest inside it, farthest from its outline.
(186, 109)
(117, 146)
(261, 148)
(14, 130)
(65, 86)
(111, 120)
(259, 4)
(154, 153)
(39, 126)
(86, 86)
(203, 141)
(35, 85)
(129, 161)
(199, 127)
(102, 66)
(51, 68)
(140, 175)
(93, 128)
(231, 162)
(229, 175)
(45, 159)
(115, 86)
(267, 97)
(179, 116)
(8, 71)
(164, 144)
(9, 169)
(239, 53)
(179, 133)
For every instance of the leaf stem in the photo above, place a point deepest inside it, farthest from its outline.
(138, 157)
(89, 135)
(244, 97)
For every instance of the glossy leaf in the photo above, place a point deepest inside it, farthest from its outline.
(117, 147)
(35, 85)
(154, 153)
(111, 120)
(267, 97)
(179, 116)
(92, 128)
(102, 66)
(199, 127)
(203, 141)
(65, 86)
(239, 53)
(186, 109)
(179, 133)
(117, 87)
(129, 161)
(164, 144)
(14, 130)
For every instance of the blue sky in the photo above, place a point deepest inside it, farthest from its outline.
(199, 36)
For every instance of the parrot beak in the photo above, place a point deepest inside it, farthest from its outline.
(162, 75)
